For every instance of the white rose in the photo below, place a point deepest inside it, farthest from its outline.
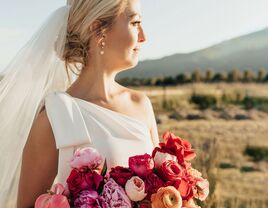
(135, 189)
(161, 157)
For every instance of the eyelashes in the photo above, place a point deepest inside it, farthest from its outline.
(136, 23)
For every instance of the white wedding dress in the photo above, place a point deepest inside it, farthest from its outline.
(78, 123)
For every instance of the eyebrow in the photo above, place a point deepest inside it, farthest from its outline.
(134, 14)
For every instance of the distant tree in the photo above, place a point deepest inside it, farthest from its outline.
(153, 81)
(266, 78)
(219, 77)
(209, 75)
(183, 78)
(261, 75)
(248, 76)
(169, 80)
(147, 81)
(159, 82)
(197, 76)
(234, 75)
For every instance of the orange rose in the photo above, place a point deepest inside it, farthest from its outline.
(166, 197)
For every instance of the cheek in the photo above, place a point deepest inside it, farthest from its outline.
(124, 40)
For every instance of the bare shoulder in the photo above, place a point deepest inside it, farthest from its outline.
(145, 105)
(41, 128)
(39, 162)
(140, 98)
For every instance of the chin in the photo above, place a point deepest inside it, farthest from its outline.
(131, 63)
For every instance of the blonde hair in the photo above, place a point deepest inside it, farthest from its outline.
(82, 14)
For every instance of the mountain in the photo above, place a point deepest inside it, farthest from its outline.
(245, 52)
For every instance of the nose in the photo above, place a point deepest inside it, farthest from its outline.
(142, 37)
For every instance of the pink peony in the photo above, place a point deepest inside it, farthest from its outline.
(135, 189)
(86, 157)
(121, 175)
(87, 199)
(142, 165)
(114, 196)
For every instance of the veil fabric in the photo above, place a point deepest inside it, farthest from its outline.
(33, 73)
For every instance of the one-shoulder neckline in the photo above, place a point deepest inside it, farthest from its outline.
(112, 111)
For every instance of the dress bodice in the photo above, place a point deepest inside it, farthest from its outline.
(79, 123)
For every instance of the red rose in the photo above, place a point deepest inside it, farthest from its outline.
(152, 184)
(93, 180)
(74, 182)
(145, 204)
(121, 175)
(78, 181)
(174, 145)
(171, 171)
(142, 165)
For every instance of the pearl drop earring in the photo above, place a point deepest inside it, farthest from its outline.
(102, 45)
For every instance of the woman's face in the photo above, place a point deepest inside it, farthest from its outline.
(123, 41)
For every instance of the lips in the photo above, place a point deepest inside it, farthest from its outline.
(136, 49)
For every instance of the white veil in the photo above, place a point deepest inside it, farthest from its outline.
(34, 72)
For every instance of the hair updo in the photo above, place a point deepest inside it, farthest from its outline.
(82, 14)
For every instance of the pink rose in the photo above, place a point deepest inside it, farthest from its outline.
(88, 199)
(121, 175)
(161, 157)
(86, 157)
(142, 165)
(171, 171)
(201, 189)
(114, 195)
(135, 189)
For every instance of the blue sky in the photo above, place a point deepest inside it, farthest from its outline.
(171, 26)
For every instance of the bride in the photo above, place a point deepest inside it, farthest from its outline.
(59, 93)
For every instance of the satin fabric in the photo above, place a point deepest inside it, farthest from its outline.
(77, 123)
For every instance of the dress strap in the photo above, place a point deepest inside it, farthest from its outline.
(66, 119)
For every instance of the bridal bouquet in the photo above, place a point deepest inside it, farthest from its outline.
(164, 179)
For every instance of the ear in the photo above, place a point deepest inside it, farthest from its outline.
(95, 27)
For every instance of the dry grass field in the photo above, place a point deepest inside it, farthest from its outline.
(220, 136)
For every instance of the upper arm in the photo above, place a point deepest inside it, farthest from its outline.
(152, 121)
(39, 162)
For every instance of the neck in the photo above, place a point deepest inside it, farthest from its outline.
(96, 83)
